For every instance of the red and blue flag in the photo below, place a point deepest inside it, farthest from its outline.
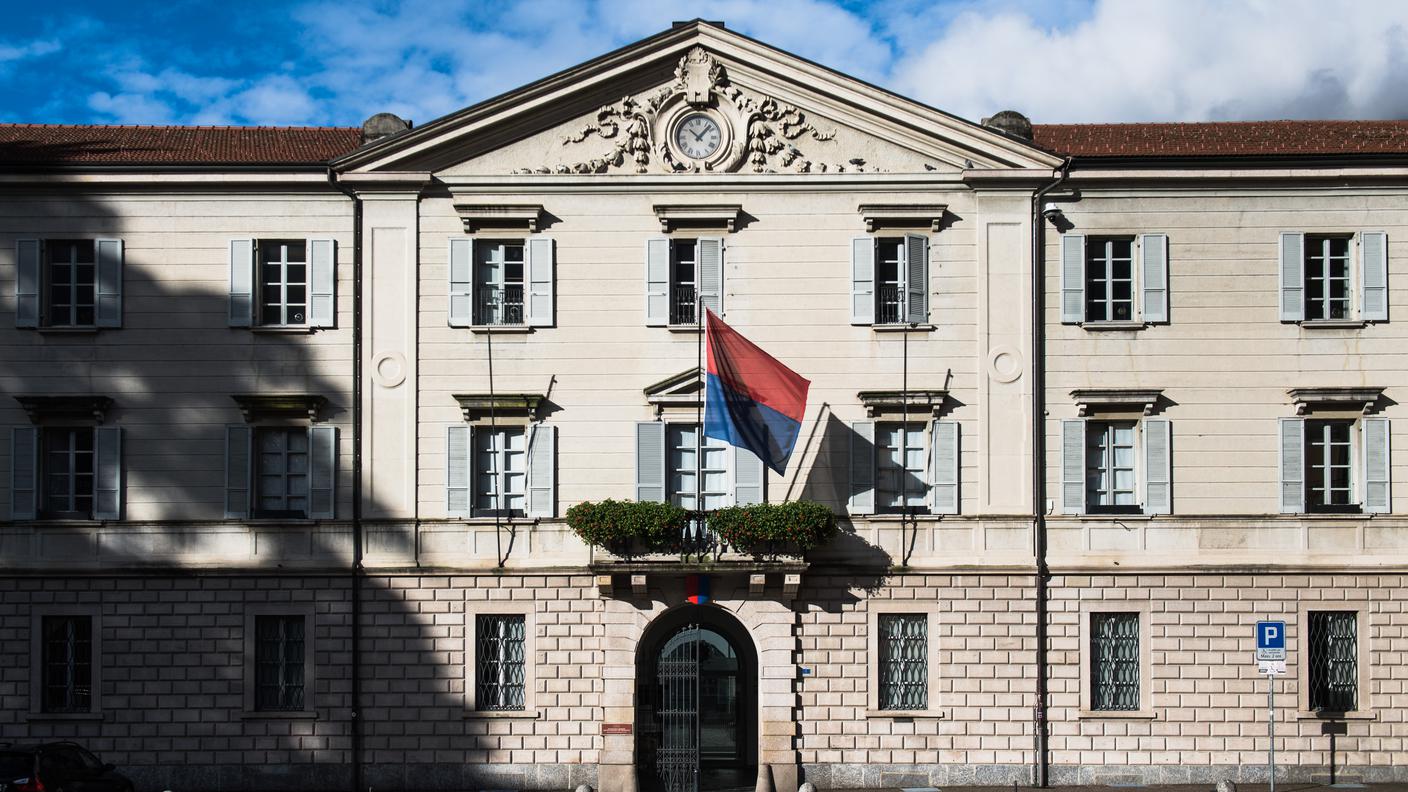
(750, 399)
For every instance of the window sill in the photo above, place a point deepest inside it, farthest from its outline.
(900, 328)
(283, 329)
(685, 328)
(278, 715)
(1358, 715)
(501, 329)
(530, 714)
(1098, 326)
(907, 714)
(900, 517)
(63, 717)
(498, 521)
(1333, 324)
(1139, 714)
(63, 523)
(70, 330)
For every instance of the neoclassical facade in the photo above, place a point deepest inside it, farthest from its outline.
(293, 418)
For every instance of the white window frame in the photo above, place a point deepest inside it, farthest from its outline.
(1136, 307)
(493, 251)
(1136, 428)
(1146, 709)
(1298, 654)
(874, 610)
(674, 496)
(257, 471)
(94, 613)
(42, 472)
(251, 658)
(928, 456)
(486, 607)
(500, 479)
(1356, 467)
(260, 310)
(1353, 277)
(46, 305)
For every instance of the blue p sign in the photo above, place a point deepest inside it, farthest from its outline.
(1271, 635)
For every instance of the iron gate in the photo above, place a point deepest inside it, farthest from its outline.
(677, 756)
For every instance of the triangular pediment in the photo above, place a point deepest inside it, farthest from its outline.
(754, 109)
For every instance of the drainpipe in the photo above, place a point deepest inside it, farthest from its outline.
(1041, 766)
(356, 568)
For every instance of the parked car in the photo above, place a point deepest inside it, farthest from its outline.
(57, 767)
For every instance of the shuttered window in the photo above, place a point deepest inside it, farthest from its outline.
(1333, 651)
(283, 282)
(1109, 279)
(1114, 661)
(1329, 467)
(499, 662)
(281, 472)
(67, 664)
(903, 673)
(1110, 467)
(70, 287)
(1114, 279)
(499, 270)
(279, 663)
(67, 470)
(1328, 278)
(900, 471)
(1322, 279)
(500, 472)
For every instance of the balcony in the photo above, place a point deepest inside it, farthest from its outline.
(682, 302)
(502, 305)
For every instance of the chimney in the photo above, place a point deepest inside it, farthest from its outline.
(383, 125)
(1011, 123)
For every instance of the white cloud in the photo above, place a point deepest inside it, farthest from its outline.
(1172, 61)
(33, 49)
(131, 108)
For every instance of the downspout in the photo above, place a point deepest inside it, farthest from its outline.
(1041, 768)
(356, 568)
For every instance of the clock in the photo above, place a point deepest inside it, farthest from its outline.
(697, 135)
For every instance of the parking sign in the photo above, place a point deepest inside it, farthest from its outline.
(1270, 640)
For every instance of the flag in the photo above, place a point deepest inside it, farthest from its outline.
(750, 399)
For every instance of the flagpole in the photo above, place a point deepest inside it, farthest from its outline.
(699, 411)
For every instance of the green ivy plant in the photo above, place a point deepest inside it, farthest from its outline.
(628, 528)
(774, 529)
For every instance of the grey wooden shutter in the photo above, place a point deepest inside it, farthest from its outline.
(1072, 279)
(748, 477)
(542, 465)
(241, 282)
(1373, 266)
(1378, 497)
(459, 481)
(1292, 277)
(28, 276)
(650, 461)
(916, 278)
(107, 473)
(24, 472)
(710, 255)
(944, 467)
(657, 282)
(322, 478)
(538, 285)
(461, 307)
(1153, 251)
(237, 471)
(862, 500)
(1158, 467)
(107, 290)
(322, 283)
(1073, 466)
(863, 281)
(1292, 465)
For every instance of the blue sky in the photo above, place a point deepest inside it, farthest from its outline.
(338, 61)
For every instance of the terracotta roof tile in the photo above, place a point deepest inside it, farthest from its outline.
(63, 144)
(1224, 138)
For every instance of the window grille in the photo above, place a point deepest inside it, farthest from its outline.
(499, 662)
(1109, 280)
(283, 282)
(904, 661)
(1327, 278)
(71, 278)
(67, 657)
(1334, 661)
(1114, 661)
(279, 659)
(684, 281)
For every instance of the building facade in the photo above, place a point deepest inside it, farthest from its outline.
(295, 416)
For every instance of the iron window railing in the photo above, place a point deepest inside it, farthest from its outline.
(904, 661)
(1114, 661)
(278, 663)
(889, 304)
(499, 306)
(499, 662)
(682, 299)
(67, 664)
(1334, 661)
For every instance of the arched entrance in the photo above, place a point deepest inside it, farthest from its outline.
(697, 696)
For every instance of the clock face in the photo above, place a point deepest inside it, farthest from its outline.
(698, 135)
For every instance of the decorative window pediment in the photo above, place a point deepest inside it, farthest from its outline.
(1093, 401)
(478, 216)
(42, 409)
(1343, 399)
(673, 216)
(916, 402)
(520, 407)
(258, 407)
(903, 215)
(682, 391)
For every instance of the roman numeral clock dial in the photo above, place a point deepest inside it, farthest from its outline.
(697, 136)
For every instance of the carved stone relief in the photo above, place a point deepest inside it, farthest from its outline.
(762, 135)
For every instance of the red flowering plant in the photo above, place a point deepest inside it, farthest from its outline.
(628, 528)
(770, 530)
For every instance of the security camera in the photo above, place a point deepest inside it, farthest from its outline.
(1050, 210)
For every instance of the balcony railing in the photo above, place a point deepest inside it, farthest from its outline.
(697, 539)
(682, 305)
(499, 306)
(889, 305)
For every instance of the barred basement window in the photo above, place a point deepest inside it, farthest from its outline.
(904, 661)
(499, 662)
(279, 663)
(1334, 661)
(67, 663)
(1114, 661)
